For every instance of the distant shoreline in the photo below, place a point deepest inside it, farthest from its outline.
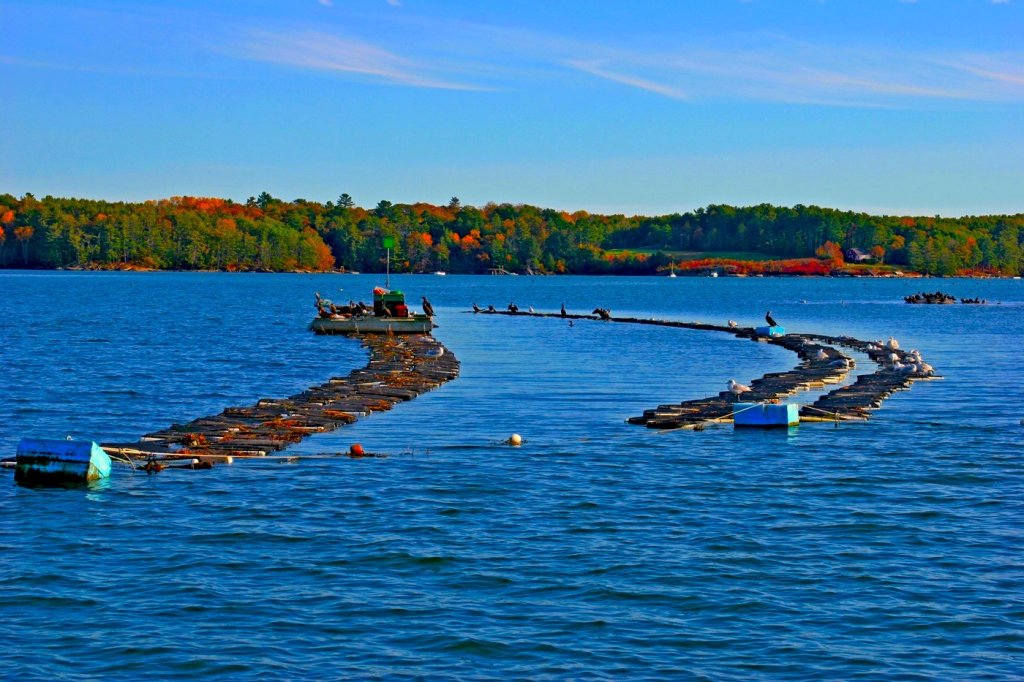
(143, 269)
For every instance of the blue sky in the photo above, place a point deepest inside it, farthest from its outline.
(889, 106)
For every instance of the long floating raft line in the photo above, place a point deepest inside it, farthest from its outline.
(399, 369)
(852, 402)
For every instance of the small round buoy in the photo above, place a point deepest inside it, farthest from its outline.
(515, 439)
(356, 449)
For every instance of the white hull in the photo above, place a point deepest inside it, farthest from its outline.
(417, 324)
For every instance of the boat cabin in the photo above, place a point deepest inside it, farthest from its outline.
(389, 303)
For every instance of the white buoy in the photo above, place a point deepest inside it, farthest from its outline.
(515, 439)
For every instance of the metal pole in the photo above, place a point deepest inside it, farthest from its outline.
(387, 272)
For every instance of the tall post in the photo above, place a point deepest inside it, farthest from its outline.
(388, 243)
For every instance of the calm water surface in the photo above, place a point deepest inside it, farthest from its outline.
(888, 550)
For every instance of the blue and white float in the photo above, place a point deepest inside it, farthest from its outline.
(56, 462)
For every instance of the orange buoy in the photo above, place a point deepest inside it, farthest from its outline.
(356, 450)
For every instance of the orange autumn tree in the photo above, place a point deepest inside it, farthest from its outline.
(831, 252)
(24, 236)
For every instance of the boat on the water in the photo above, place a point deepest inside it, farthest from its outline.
(389, 315)
(60, 462)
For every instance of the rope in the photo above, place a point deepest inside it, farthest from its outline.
(711, 420)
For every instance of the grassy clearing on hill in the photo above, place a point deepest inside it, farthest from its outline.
(699, 255)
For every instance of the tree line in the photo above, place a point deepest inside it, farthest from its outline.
(270, 234)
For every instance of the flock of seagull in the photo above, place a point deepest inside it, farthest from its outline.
(916, 364)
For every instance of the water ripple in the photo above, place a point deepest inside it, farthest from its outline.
(597, 550)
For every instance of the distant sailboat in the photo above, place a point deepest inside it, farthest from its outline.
(672, 271)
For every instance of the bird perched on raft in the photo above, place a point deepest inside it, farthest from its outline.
(476, 308)
(733, 324)
(892, 344)
(427, 308)
(736, 388)
(821, 354)
(563, 313)
(603, 313)
(770, 320)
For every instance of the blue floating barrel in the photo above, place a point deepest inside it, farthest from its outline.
(43, 462)
(765, 414)
(777, 330)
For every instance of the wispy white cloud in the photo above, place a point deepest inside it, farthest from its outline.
(323, 51)
(728, 67)
(751, 66)
(594, 68)
(326, 3)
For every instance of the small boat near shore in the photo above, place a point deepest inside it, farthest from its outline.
(389, 315)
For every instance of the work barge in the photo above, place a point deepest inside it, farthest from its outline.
(399, 369)
(822, 363)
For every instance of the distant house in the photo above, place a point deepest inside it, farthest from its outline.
(857, 256)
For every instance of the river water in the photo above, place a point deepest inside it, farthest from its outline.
(881, 550)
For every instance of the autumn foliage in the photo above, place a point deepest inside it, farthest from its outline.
(271, 234)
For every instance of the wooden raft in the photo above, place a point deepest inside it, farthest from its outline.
(846, 403)
(399, 369)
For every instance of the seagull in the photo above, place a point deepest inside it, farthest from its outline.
(427, 308)
(894, 359)
(770, 320)
(840, 362)
(733, 324)
(736, 388)
(531, 310)
(821, 354)
(892, 344)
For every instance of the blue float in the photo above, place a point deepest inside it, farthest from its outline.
(765, 414)
(777, 330)
(58, 462)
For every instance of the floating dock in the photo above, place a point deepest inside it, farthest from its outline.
(822, 363)
(399, 369)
